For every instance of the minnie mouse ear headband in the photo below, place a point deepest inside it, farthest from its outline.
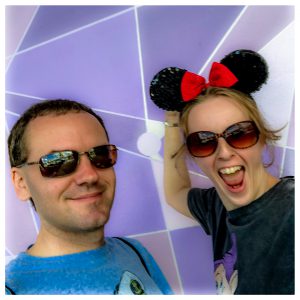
(243, 70)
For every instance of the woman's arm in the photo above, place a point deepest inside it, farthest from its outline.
(177, 182)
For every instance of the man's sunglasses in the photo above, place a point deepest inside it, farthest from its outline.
(65, 162)
(240, 136)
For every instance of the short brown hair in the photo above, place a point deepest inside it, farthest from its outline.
(16, 143)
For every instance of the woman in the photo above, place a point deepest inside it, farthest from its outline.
(249, 213)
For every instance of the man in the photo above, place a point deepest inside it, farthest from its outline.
(61, 160)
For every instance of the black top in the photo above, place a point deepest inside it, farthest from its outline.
(255, 241)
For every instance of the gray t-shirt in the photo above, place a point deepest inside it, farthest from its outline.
(253, 245)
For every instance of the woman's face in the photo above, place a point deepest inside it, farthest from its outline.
(238, 174)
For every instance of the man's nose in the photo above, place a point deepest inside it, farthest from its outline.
(86, 172)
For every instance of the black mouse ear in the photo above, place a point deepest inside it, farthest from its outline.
(165, 89)
(249, 67)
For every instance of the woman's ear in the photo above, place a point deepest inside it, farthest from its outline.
(20, 184)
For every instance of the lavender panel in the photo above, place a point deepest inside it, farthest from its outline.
(289, 163)
(193, 251)
(182, 36)
(192, 165)
(123, 132)
(273, 154)
(52, 21)
(137, 207)
(18, 104)
(291, 136)
(98, 65)
(201, 181)
(158, 244)
(10, 121)
(258, 25)
(14, 31)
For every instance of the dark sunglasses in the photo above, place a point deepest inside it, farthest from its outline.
(240, 136)
(65, 162)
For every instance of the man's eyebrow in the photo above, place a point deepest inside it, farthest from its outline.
(55, 151)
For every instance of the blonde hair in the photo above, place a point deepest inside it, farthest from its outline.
(245, 102)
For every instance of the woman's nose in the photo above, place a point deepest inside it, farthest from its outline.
(224, 150)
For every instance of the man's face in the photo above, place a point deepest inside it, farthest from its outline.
(77, 202)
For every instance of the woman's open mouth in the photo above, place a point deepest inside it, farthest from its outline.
(233, 178)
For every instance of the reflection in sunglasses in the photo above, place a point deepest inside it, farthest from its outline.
(240, 135)
(63, 163)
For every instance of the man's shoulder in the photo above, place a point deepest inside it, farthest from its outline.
(131, 247)
(17, 262)
(125, 243)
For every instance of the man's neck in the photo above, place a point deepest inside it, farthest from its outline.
(56, 243)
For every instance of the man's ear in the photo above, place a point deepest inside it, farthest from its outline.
(20, 184)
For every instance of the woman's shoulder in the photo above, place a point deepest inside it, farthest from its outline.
(207, 199)
(287, 182)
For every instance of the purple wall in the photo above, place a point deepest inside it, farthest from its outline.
(105, 56)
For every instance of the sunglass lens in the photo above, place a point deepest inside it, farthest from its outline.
(58, 163)
(103, 157)
(246, 135)
(201, 144)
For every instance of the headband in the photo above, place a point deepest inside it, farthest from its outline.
(243, 70)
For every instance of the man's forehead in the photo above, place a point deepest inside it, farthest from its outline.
(57, 127)
(57, 119)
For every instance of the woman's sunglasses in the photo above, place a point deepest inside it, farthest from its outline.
(65, 162)
(240, 136)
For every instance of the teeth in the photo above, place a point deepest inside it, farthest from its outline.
(231, 170)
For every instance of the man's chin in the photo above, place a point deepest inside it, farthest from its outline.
(95, 225)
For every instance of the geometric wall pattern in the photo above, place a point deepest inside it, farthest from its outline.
(105, 57)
